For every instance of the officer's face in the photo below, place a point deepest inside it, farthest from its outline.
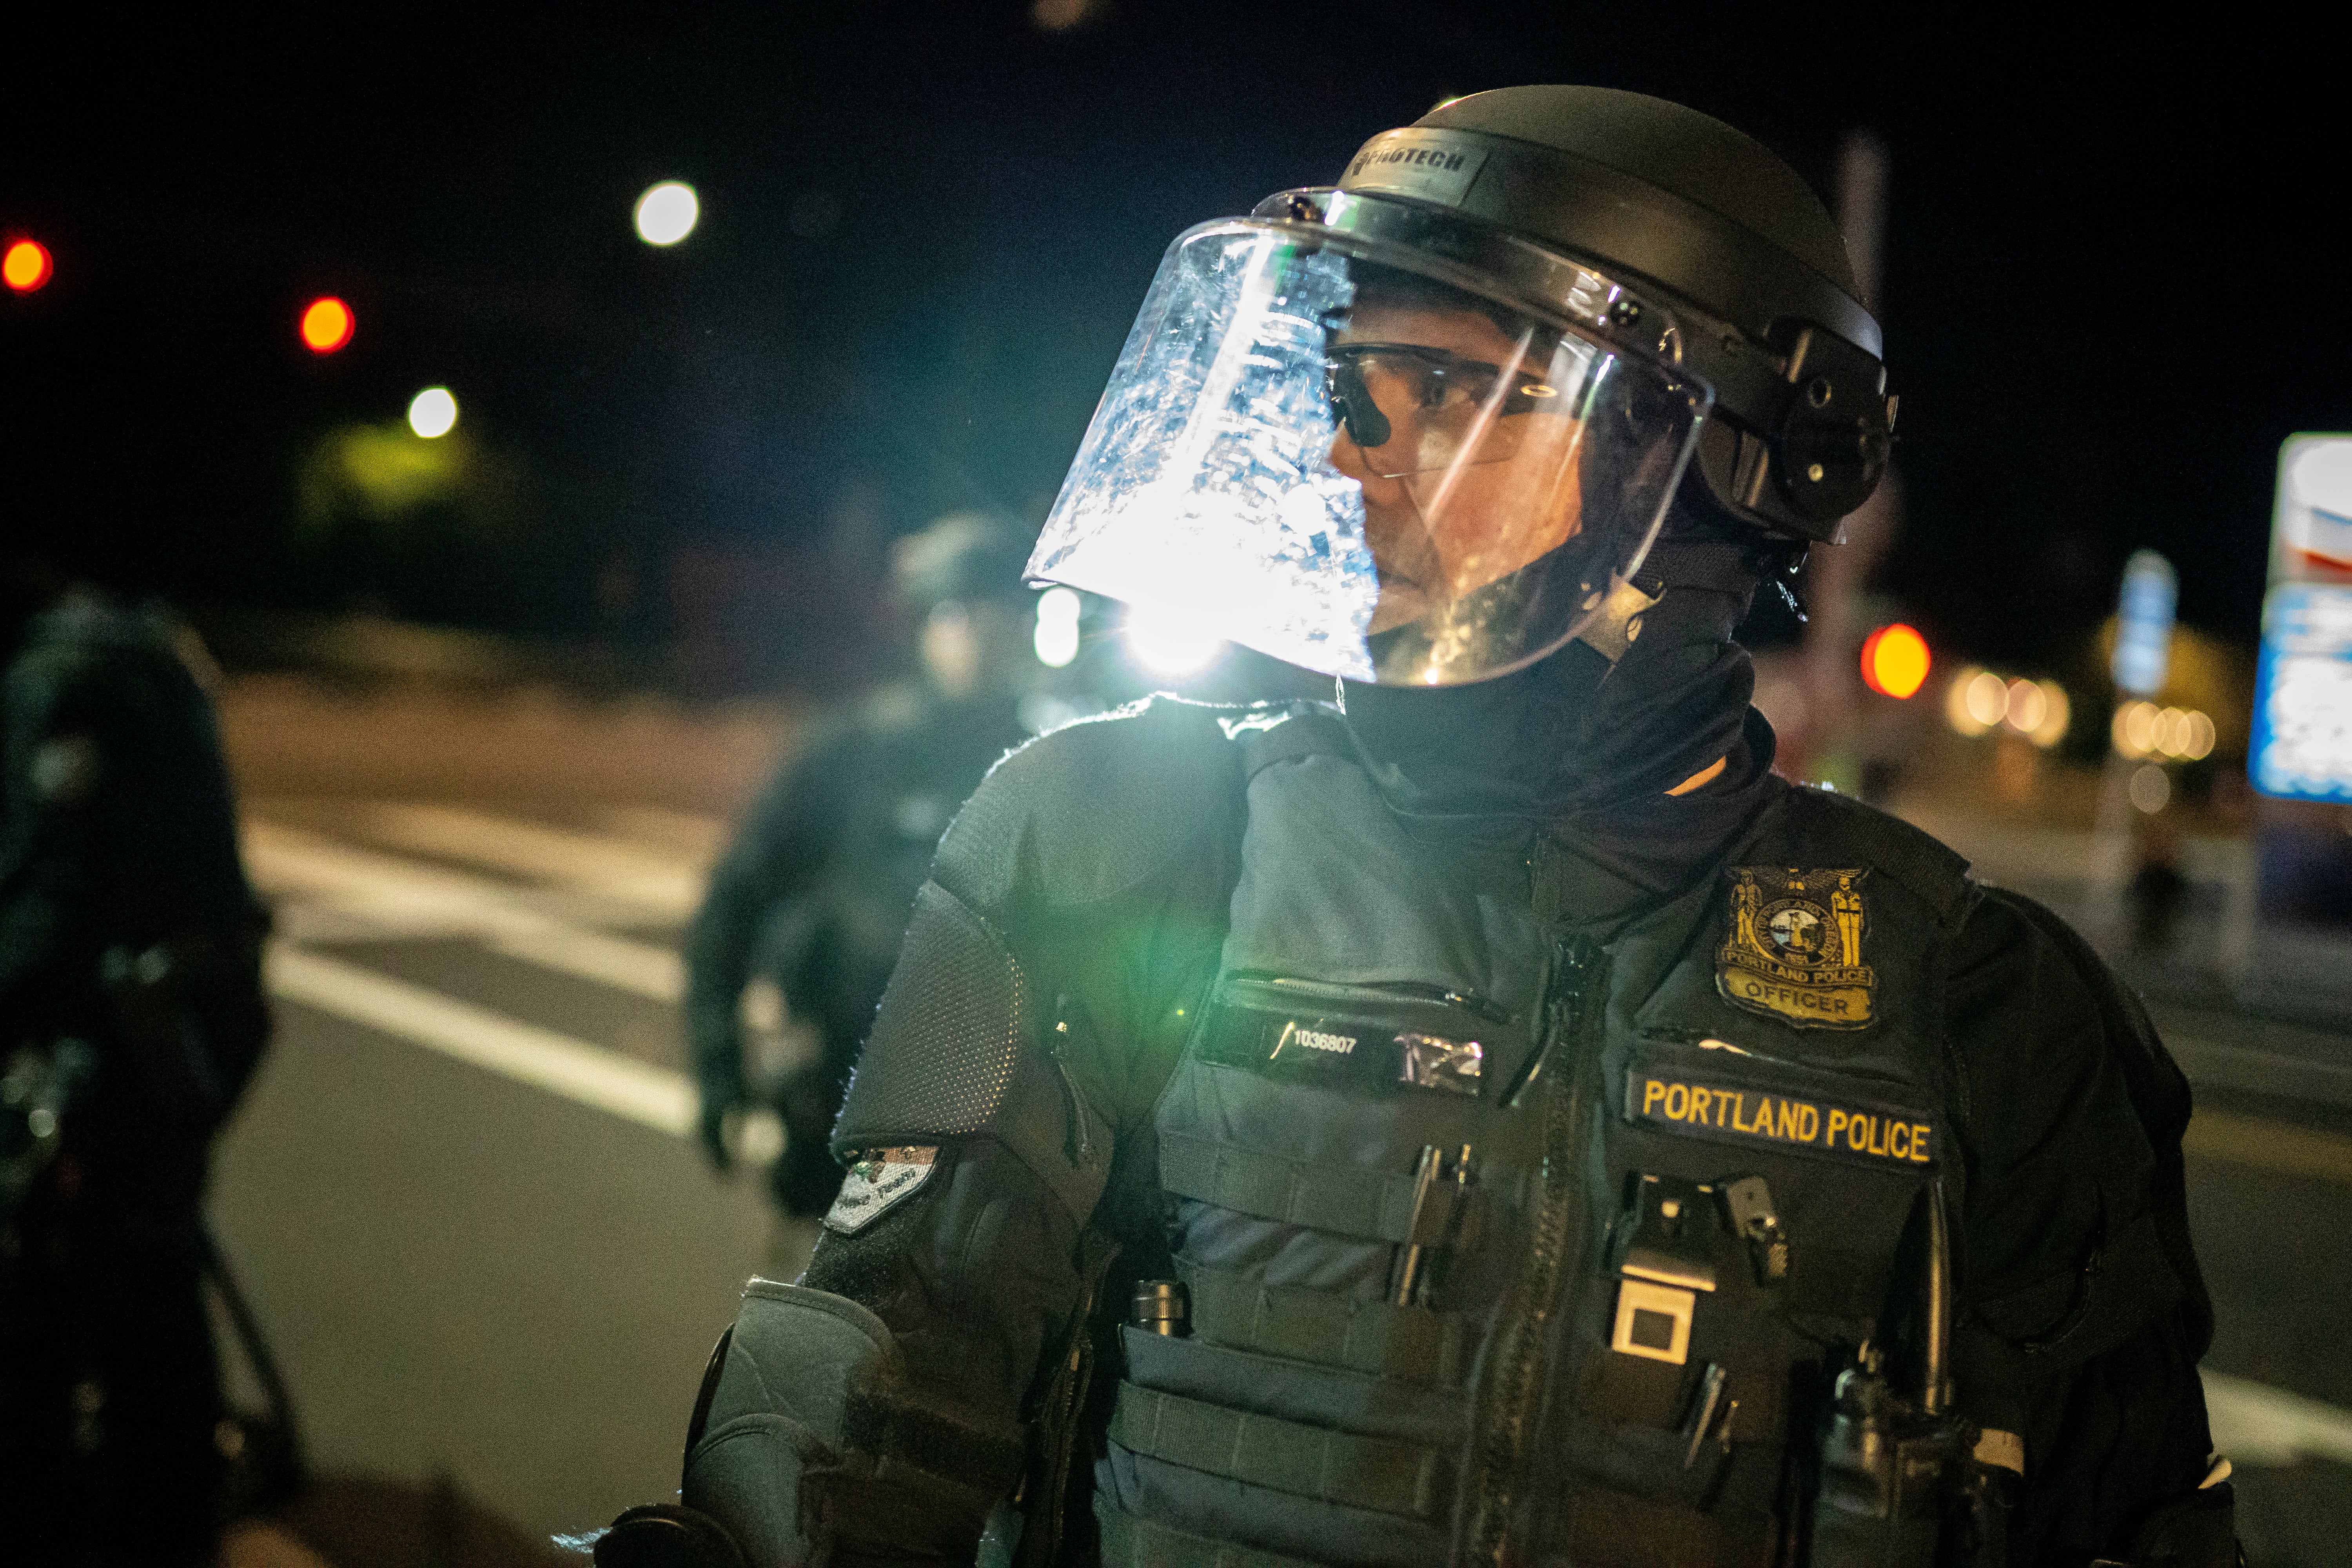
(1477, 477)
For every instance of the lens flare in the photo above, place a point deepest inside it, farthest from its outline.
(1169, 644)
(1056, 637)
(26, 266)
(327, 325)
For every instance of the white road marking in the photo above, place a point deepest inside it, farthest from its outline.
(349, 894)
(590, 1075)
(698, 837)
(670, 883)
(569, 905)
(402, 899)
(2257, 1425)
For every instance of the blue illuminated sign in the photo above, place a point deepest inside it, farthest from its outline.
(2303, 694)
(2302, 742)
(2143, 623)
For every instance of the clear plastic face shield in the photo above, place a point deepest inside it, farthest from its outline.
(1317, 446)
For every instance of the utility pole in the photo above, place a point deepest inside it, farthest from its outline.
(1825, 743)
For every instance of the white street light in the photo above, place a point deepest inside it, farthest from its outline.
(433, 413)
(666, 213)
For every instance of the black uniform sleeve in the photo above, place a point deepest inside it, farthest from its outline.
(2083, 1315)
(779, 847)
(1072, 920)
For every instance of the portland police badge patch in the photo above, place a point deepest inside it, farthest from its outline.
(1794, 949)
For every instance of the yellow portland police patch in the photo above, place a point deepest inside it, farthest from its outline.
(1794, 949)
(1676, 1099)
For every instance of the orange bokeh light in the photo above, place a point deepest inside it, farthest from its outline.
(1895, 661)
(26, 266)
(327, 325)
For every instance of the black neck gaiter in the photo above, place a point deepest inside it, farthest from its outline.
(1580, 754)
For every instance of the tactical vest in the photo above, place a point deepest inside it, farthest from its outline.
(1506, 1246)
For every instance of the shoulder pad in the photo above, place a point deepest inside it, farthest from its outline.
(1093, 809)
(1819, 826)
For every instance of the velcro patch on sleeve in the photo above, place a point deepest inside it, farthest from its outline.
(878, 1181)
(1747, 1107)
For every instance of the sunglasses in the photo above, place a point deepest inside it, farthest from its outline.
(1414, 409)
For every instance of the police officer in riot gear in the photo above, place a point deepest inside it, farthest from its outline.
(1527, 1129)
(815, 889)
(130, 1016)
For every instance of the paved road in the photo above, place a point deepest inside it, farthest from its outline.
(459, 1191)
(466, 1204)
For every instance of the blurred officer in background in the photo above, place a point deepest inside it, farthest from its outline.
(814, 892)
(130, 1016)
(1494, 1119)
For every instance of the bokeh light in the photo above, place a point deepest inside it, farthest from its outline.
(26, 266)
(1056, 638)
(2176, 734)
(2056, 714)
(1976, 701)
(327, 325)
(668, 212)
(433, 413)
(2023, 707)
(2201, 736)
(2149, 788)
(1895, 661)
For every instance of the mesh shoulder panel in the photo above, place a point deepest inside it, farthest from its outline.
(947, 1036)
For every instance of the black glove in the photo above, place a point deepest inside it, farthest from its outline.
(711, 1126)
(665, 1535)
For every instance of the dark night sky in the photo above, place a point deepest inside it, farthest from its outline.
(2108, 292)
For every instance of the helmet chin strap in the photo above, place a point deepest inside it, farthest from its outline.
(1611, 631)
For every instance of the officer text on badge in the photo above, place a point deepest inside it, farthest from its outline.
(1876, 1135)
(1794, 949)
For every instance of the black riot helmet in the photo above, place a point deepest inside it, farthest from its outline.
(1422, 427)
(1748, 283)
(969, 557)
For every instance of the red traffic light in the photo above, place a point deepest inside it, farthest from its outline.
(327, 325)
(1895, 661)
(26, 266)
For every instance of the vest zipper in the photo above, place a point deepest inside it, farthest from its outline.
(1500, 1458)
(1285, 989)
(1041, 1537)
